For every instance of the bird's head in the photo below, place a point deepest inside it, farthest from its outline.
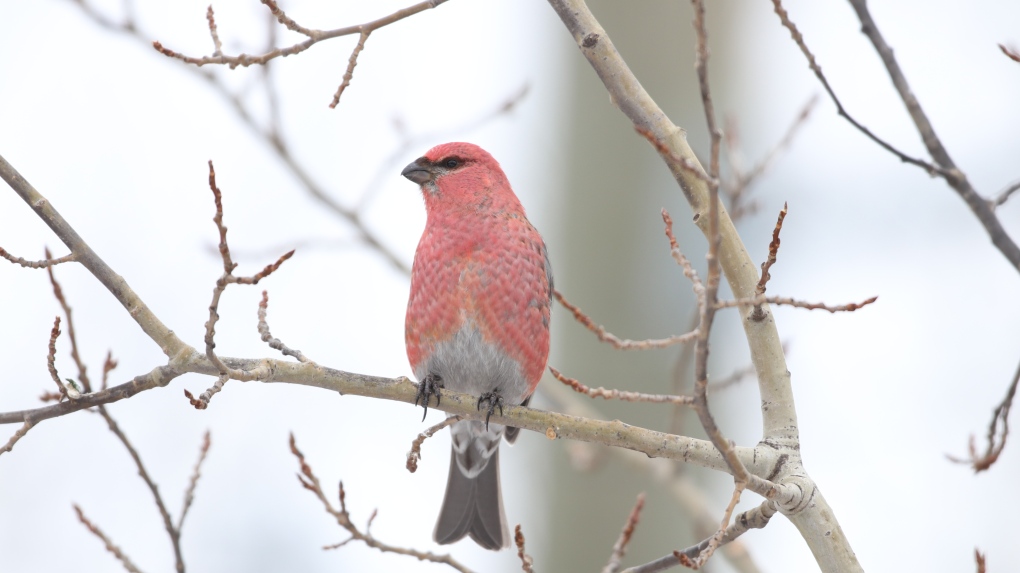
(460, 175)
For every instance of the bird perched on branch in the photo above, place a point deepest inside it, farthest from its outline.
(477, 322)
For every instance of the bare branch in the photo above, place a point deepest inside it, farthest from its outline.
(310, 482)
(685, 264)
(45, 263)
(526, 561)
(620, 547)
(189, 493)
(773, 251)
(998, 431)
(698, 561)
(58, 292)
(217, 45)
(128, 565)
(979, 558)
(108, 365)
(689, 165)
(51, 361)
(414, 456)
(158, 377)
(351, 62)
(173, 532)
(701, 68)
(17, 436)
(267, 337)
(623, 395)
(787, 301)
(313, 37)
(616, 342)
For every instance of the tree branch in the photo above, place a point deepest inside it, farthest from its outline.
(313, 37)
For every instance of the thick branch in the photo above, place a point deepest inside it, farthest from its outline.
(553, 425)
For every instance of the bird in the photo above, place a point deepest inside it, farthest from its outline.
(477, 322)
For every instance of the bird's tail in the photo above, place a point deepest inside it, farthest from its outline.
(473, 506)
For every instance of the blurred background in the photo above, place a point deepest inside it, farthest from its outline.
(117, 137)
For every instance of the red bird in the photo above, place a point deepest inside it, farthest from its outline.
(477, 321)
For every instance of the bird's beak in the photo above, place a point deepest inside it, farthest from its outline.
(418, 173)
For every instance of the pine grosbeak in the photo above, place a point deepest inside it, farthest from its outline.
(477, 321)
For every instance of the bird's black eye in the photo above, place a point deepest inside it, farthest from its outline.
(451, 162)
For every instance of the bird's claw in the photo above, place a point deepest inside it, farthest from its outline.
(429, 386)
(495, 400)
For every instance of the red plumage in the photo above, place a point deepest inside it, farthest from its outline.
(477, 320)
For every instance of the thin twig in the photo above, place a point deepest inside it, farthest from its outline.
(979, 558)
(108, 365)
(622, 395)
(616, 342)
(787, 301)
(17, 436)
(196, 473)
(414, 456)
(217, 45)
(267, 337)
(689, 166)
(773, 251)
(703, 556)
(310, 482)
(620, 547)
(128, 565)
(168, 524)
(998, 431)
(701, 68)
(1005, 194)
(51, 361)
(58, 292)
(527, 562)
(45, 263)
(685, 264)
(351, 63)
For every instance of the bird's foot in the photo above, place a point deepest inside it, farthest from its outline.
(495, 400)
(429, 386)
